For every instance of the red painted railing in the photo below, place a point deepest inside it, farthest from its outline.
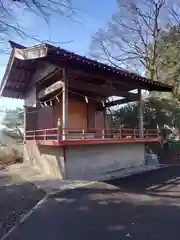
(90, 134)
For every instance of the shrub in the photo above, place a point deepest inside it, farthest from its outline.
(10, 155)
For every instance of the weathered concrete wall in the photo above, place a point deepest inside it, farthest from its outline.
(93, 161)
(48, 160)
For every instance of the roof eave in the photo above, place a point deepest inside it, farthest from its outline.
(7, 71)
(36, 52)
(44, 50)
(153, 85)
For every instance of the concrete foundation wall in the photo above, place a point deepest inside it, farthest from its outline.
(49, 160)
(93, 161)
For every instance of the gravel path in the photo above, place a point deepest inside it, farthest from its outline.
(17, 197)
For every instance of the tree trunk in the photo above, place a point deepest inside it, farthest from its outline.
(20, 134)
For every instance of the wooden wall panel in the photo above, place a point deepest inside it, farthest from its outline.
(57, 112)
(31, 118)
(91, 114)
(45, 118)
(99, 120)
(77, 114)
(81, 114)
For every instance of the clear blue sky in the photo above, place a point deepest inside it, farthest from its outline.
(92, 14)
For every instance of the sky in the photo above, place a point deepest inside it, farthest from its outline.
(74, 35)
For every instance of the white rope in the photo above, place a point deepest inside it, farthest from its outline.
(56, 96)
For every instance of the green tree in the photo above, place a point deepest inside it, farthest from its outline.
(155, 113)
(168, 65)
(143, 36)
(168, 71)
(14, 122)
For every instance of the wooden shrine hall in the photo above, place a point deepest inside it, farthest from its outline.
(66, 100)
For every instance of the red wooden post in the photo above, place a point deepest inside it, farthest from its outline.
(45, 132)
(65, 106)
(103, 134)
(120, 133)
(140, 115)
(25, 120)
(134, 134)
(83, 132)
(58, 129)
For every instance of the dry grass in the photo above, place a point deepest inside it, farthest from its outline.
(10, 155)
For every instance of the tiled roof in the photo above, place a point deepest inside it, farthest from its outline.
(21, 63)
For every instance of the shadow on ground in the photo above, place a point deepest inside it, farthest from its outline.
(121, 209)
(164, 182)
(17, 197)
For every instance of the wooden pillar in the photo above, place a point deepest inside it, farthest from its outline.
(104, 116)
(87, 116)
(25, 122)
(140, 115)
(65, 106)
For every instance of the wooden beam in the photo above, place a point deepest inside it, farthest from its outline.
(65, 104)
(74, 70)
(52, 88)
(121, 81)
(99, 89)
(40, 80)
(30, 70)
(140, 114)
(122, 101)
(15, 86)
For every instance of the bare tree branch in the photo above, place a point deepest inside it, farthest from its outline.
(132, 35)
(175, 13)
(10, 25)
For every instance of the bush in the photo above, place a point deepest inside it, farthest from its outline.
(174, 144)
(10, 155)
